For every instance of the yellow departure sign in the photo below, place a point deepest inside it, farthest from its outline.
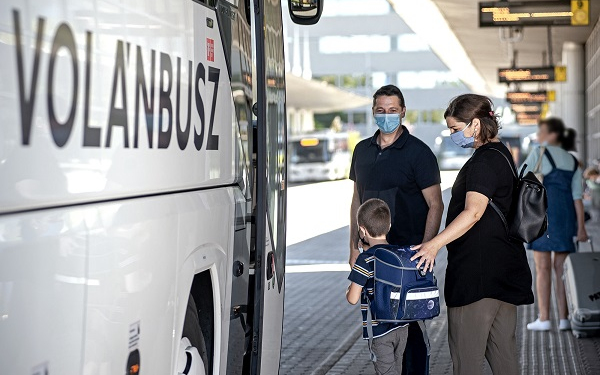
(534, 13)
(581, 12)
(560, 73)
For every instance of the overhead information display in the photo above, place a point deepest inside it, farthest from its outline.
(527, 108)
(526, 119)
(544, 74)
(518, 97)
(534, 13)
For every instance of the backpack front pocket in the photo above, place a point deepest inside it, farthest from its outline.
(386, 298)
(421, 303)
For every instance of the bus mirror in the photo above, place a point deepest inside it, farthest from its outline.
(305, 12)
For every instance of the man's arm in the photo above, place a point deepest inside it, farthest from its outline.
(354, 227)
(433, 197)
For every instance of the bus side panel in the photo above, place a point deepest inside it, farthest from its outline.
(143, 256)
(104, 100)
(42, 292)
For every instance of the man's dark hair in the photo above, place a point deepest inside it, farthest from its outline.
(374, 216)
(467, 107)
(389, 90)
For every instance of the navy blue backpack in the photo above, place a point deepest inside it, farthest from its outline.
(402, 292)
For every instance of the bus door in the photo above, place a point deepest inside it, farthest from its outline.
(271, 176)
(271, 190)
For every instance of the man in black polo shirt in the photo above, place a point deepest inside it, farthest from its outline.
(399, 169)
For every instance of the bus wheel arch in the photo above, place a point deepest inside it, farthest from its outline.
(198, 326)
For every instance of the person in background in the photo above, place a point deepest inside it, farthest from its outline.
(566, 218)
(487, 274)
(592, 174)
(592, 189)
(569, 144)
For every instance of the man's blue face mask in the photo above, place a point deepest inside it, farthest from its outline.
(459, 138)
(387, 122)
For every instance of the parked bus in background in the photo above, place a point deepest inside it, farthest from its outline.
(319, 156)
(142, 221)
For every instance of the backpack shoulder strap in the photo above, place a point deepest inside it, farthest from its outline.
(550, 159)
(576, 162)
(491, 203)
(370, 331)
(502, 217)
(510, 164)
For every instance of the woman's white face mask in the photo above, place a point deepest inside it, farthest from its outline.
(459, 138)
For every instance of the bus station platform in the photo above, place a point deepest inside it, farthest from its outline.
(322, 331)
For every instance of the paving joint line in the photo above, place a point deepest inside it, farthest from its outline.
(339, 352)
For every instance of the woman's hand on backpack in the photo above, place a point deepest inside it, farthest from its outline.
(427, 252)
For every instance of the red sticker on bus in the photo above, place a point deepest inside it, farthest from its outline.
(210, 49)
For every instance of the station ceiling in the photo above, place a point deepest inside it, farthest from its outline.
(483, 45)
(319, 96)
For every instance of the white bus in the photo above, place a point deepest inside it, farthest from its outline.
(141, 218)
(319, 156)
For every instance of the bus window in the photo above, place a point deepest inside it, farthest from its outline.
(310, 152)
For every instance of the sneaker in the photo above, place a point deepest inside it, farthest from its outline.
(539, 325)
(564, 325)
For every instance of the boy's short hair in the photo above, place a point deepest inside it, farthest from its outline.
(374, 215)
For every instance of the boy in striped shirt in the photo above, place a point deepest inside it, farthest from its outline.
(389, 339)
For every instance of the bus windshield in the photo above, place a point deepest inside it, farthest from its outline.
(310, 151)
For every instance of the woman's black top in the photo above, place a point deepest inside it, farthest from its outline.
(484, 263)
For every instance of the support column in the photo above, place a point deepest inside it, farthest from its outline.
(572, 93)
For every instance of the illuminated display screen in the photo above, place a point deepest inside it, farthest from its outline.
(526, 108)
(546, 74)
(534, 13)
(530, 97)
(528, 118)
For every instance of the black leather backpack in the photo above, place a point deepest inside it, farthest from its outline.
(527, 219)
